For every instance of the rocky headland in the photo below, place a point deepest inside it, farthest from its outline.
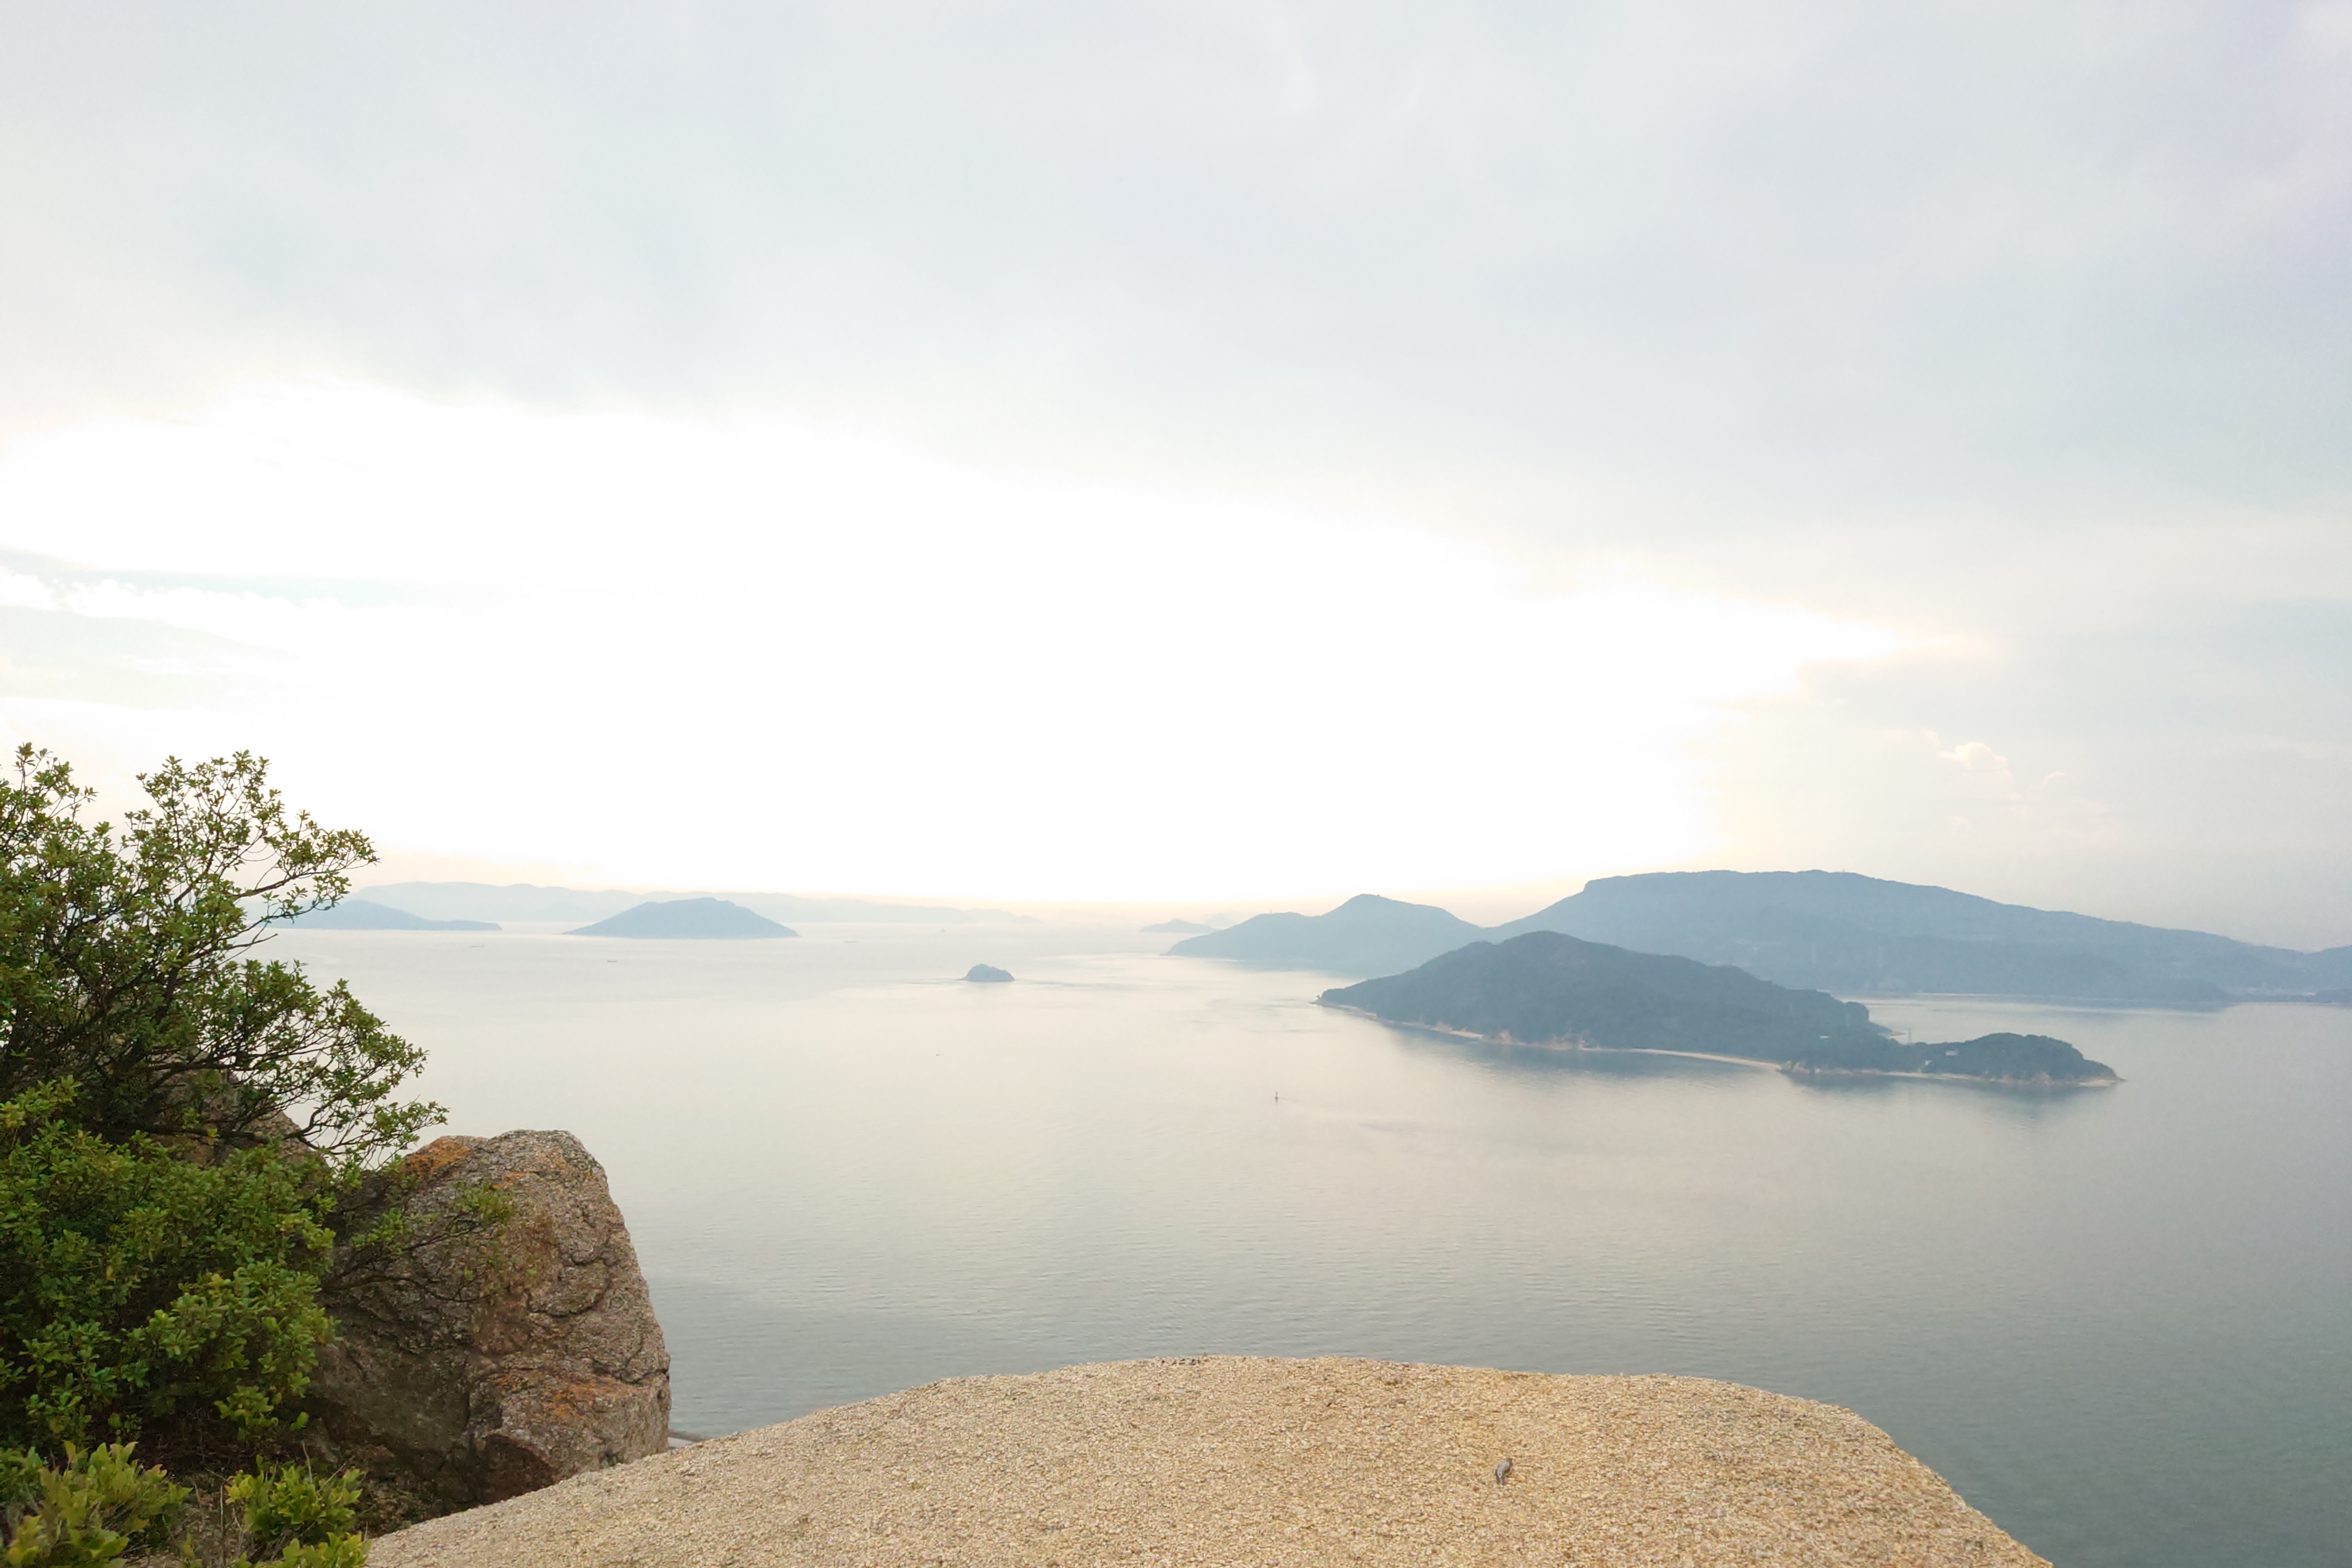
(1246, 1460)
(508, 1376)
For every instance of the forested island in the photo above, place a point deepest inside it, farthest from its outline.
(1547, 989)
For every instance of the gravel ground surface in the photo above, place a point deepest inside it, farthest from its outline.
(1243, 1460)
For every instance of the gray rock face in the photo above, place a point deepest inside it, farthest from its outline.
(481, 1362)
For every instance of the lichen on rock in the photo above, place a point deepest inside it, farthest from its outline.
(501, 1341)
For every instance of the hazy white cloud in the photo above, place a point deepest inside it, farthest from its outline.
(1400, 409)
(25, 591)
(260, 620)
(877, 668)
(1810, 249)
(2188, 773)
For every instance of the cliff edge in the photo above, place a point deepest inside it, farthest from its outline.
(1249, 1460)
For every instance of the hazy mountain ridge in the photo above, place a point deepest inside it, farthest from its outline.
(1367, 935)
(1544, 988)
(361, 914)
(529, 901)
(1820, 931)
(1853, 934)
(689, 920)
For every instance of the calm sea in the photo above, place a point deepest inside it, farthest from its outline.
(2119, 1321)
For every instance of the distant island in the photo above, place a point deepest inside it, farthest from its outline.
(1548, 989)
(2341, 997)
(1826, 930)
(1864, 936)
(528, 901)
(987, 974)
(705, 920)
(1176, 928)
(1367, 935)
(358, 914)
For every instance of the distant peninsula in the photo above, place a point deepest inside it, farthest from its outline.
(699, 920)
(358, 914)
(1862, 936)
(1176, 927)
(1548, 989)
(1367, 935)
(1824, 931)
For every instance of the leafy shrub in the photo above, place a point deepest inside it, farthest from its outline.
(285, 1505)
(139, 1286)
(89, 1511)
(181, 1124)
(99, 1504)
(20, 1486)
(342, 1552)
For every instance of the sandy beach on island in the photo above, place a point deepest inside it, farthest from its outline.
(1249, 1460)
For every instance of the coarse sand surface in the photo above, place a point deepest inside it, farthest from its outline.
(1228, 1459)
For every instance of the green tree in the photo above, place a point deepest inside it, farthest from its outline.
(184, 1127)
(126, 966)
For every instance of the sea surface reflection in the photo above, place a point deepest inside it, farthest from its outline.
(2115, 1319)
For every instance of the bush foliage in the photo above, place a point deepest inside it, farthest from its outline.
(138, 1286)
(91, 1509)
(183, 1126)
(301, 1519)
(98, 1505)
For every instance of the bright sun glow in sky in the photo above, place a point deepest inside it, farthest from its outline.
(764, 652)
(1260, 451)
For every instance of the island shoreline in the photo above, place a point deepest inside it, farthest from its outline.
(1790, 1069)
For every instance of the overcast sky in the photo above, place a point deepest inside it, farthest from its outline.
(1217, 452)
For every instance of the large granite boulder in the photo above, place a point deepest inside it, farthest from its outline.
(501, 1339)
